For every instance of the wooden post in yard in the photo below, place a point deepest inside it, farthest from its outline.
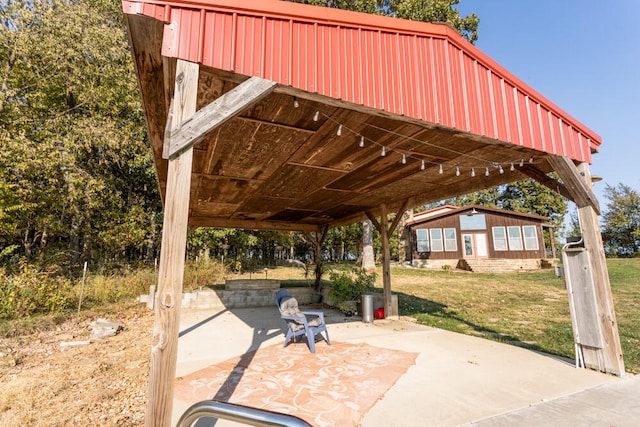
(164, 351)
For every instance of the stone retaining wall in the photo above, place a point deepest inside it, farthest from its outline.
(236, 298)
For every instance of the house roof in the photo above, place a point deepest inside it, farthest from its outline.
(448, 210)
(448, 119)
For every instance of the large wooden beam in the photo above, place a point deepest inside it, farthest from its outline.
(548, 182)
(164, 350)
(194, 129)
(608, 359)
(575, 182)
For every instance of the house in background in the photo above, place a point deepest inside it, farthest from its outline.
(477, 238)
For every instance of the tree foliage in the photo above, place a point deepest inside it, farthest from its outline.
(621, 221)
(76, 175)
(443, 11)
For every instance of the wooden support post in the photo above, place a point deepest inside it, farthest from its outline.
(386, 260)
(386, 231)
(577, 180)
(164, 351)
(608, 359)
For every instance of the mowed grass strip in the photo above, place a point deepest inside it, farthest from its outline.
(528, 309)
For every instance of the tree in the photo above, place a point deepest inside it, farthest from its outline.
(368, 260)
(415, 10)
(621, 221)
(73, 134)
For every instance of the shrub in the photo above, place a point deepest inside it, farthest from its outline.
(348, 286)
(33, 291)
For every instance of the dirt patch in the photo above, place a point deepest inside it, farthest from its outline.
(55, 378)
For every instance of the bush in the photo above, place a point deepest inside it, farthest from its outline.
(348, 286)
(33, 291)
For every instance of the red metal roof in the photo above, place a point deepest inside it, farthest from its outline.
(424, 71)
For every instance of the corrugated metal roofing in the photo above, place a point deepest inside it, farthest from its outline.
(424, 71)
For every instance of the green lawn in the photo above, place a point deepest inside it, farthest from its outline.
(527, 309)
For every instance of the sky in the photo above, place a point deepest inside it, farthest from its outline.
(582, 55)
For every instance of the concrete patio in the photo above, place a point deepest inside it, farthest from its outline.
(456, 380)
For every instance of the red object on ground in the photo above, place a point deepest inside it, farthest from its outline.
(379, 313)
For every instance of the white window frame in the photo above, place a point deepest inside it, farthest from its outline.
(423, 241)
(498, 239)
(530, 242)
(437, 243)
(515, 242)
(450, 244)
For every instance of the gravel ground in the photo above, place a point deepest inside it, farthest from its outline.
(63, 378)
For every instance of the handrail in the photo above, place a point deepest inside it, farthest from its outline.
(238, 413)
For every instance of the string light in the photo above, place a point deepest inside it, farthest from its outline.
(383, 149)
(296, 104)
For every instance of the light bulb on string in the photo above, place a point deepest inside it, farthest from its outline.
(511, 168)
(531, 159)
(316, 116)
(500, 169)
(486, 171)
(473, 171)
(404, 159)
(457, 171)
(296, 104)
(440, 170)
(422, 166)
(521, 162)
(383, 153)
(361, 142)
(339, 130)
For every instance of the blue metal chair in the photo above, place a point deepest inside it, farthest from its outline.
(298, 325)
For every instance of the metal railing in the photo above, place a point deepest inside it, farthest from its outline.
(238, 413)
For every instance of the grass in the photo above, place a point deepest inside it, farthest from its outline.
(526, 309)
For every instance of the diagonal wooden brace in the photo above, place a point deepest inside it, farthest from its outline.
(196, 128)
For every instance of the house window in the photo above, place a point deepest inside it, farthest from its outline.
(473, 222)
(422, 240)
(436, 239)
(499, 239)
(450, 243)
(530, 238)
(515, 238)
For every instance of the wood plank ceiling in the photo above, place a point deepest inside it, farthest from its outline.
(294, 160)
